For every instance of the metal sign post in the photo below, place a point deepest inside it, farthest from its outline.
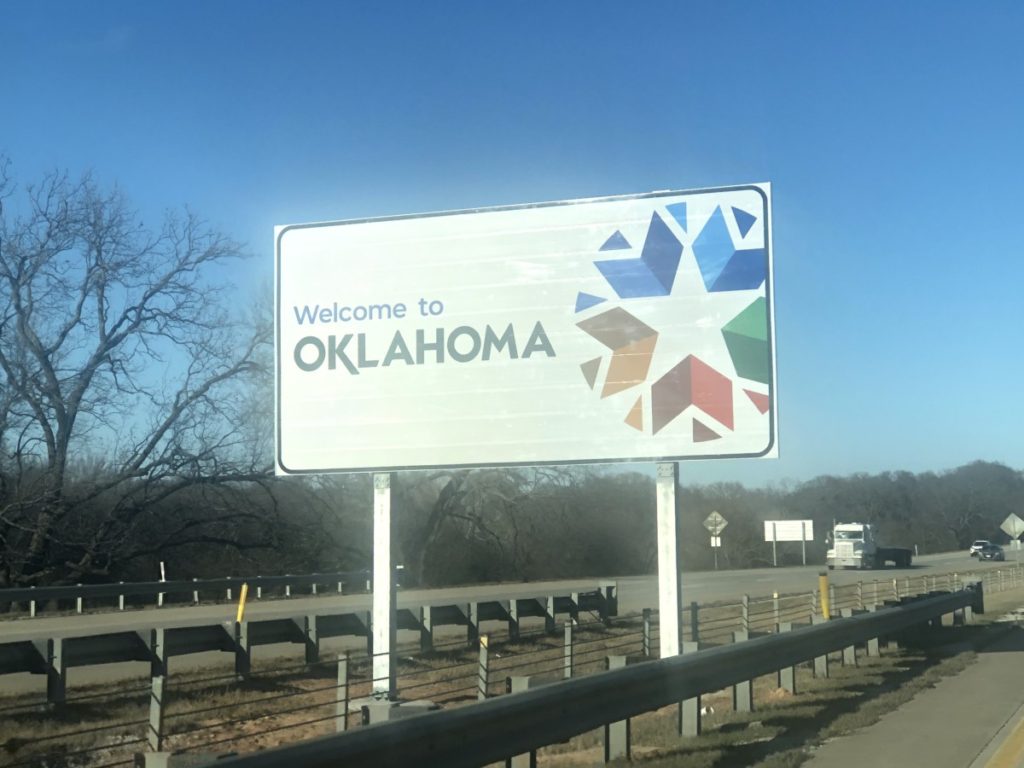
(803, 540)
(383, 621)
(670, 592)
(715, 524)
(716, 543)
(775, 543)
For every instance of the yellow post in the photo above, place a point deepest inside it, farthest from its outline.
(241, 603)
(826, 608)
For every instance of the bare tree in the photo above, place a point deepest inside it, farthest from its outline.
(485, 509)
(116, 343)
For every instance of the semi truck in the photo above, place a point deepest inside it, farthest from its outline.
(855, 545)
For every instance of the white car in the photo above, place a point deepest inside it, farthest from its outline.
(977, 546)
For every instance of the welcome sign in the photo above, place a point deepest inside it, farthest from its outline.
(613, 329)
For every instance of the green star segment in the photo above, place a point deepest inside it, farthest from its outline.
(746, 337)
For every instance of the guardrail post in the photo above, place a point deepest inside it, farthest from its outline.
(689, 709)
(472, 624)
(646, 641)
(341, 695)
(483, 675)
(850, 651)
(120, 600)
(567, 651)
(776, 612)
(787, 675)
(743, 691)
(312, 589)
(745, 613)
(312, 638)
(513, 619)
(977, 586)
(574, 609)
(56, 673)
(243, 650)
(518, 684)
(426, 629)
(616, 735)
(872, 645)
(609, 601)
(287, 588)
(228, 593)
(820, 662)
(549, 615)
(158, 680)
(895, 590)
(694, 622)
(195, 593)
(860, 595)
(157, 653)
(32, 606)
(78, 601)
(340, 587)
(155, 733)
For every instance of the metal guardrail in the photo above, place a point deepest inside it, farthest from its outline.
(495, 729)
(155, 588)
(155, 641)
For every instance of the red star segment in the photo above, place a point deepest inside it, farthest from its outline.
(691, 382)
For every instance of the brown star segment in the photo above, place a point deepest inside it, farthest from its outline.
(632, 343)
(635, 417)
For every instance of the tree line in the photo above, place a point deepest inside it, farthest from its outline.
(136, 427)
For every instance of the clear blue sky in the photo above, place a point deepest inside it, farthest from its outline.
(891, 132)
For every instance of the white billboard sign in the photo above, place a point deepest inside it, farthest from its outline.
(789, 530)
(614, 329)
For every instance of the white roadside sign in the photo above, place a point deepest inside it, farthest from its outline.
(789, 530)
(616, 329)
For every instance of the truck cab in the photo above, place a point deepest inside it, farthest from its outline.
(852, 545)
